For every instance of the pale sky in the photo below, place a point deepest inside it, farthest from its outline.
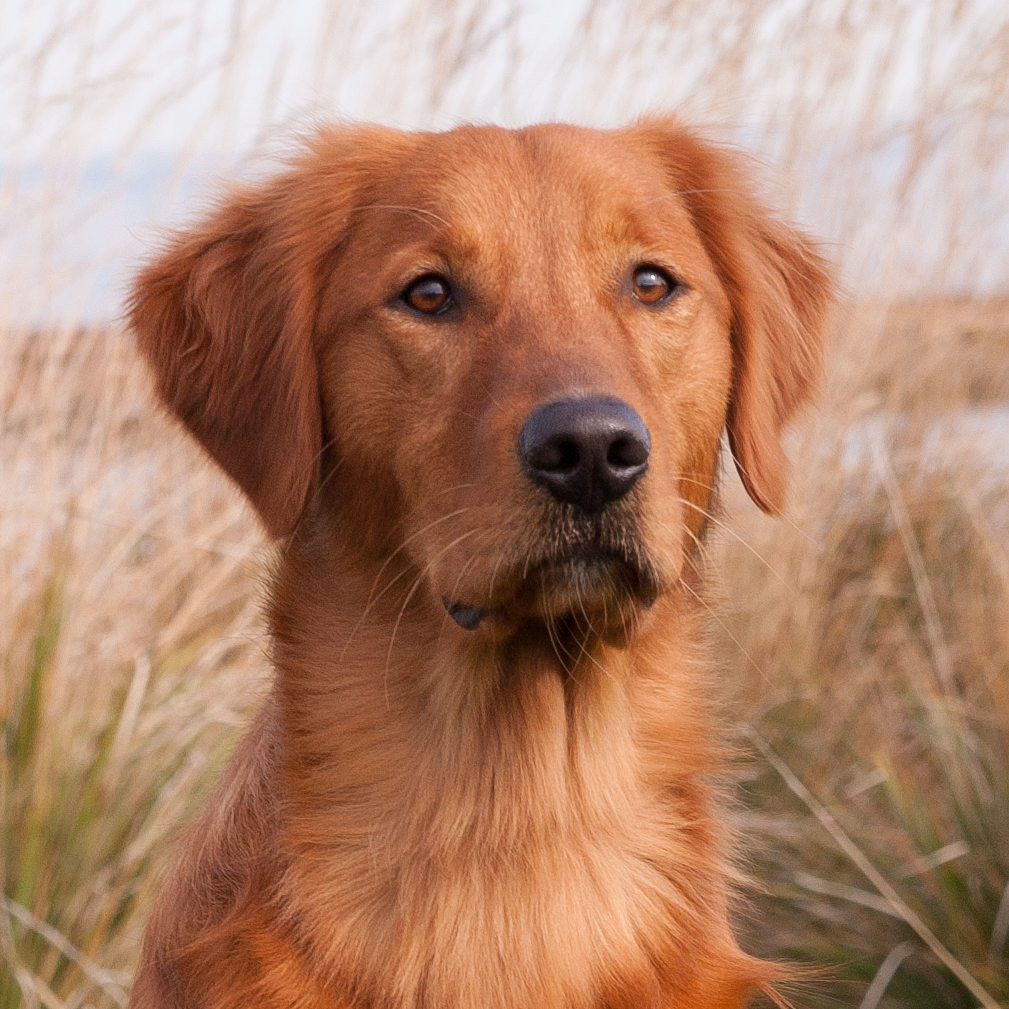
(110, 76)
(883, 122)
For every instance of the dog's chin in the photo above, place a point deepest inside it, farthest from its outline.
(588, 594)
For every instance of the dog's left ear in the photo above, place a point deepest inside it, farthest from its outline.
(224, 317)
(780, 290)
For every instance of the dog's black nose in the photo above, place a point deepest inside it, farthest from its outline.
(587, 452)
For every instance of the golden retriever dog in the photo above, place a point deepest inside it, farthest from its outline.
(476, 382)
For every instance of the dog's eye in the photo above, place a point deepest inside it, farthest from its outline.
(652, 285)
(429, 294)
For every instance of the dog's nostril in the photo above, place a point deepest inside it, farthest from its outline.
(627, 452)
(586, 452)
(554, 456)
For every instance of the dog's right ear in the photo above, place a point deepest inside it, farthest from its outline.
(780, 290)
(224, 317)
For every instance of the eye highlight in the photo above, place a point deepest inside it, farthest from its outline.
(429, 294)
(652, 284)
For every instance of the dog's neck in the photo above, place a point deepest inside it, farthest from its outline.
(463, 776)
(521, 737)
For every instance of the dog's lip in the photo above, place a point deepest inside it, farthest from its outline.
(630, 574)
(549, 588)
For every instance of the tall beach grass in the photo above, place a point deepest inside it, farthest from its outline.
(869, 639)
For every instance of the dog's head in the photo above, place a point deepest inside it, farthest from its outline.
(509, 356)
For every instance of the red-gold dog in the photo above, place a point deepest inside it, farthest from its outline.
(478, 380)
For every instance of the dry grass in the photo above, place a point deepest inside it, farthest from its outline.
(866, 637)
(130, 647)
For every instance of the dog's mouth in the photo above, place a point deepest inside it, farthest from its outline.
(590, 575)
(585, 582)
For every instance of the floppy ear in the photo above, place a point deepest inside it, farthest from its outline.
(780, 290)
(224, 317)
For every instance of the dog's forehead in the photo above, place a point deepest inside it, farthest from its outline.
(550, 186)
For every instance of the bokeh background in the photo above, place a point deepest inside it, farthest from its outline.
(861, 644)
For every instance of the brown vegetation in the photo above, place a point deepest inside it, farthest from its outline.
(132, 652)
(868, 638)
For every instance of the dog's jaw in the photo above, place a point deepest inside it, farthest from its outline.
(588, 574)
(587, 595)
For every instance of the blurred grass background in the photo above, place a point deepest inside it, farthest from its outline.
(864, 640)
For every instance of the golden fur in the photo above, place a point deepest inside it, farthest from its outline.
(519, 815)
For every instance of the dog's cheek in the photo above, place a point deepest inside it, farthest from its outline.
(363, 403)
(460, 469)
(692, 373)
(429, 461)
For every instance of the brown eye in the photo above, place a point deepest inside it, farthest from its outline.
(651, 284)
(429, 295)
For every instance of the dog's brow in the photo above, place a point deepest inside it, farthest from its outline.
(407, 210)
(678, 192)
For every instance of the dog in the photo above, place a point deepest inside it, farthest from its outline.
(476, 382)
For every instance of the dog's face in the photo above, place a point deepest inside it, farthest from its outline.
(491, 276)
(507, 355)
